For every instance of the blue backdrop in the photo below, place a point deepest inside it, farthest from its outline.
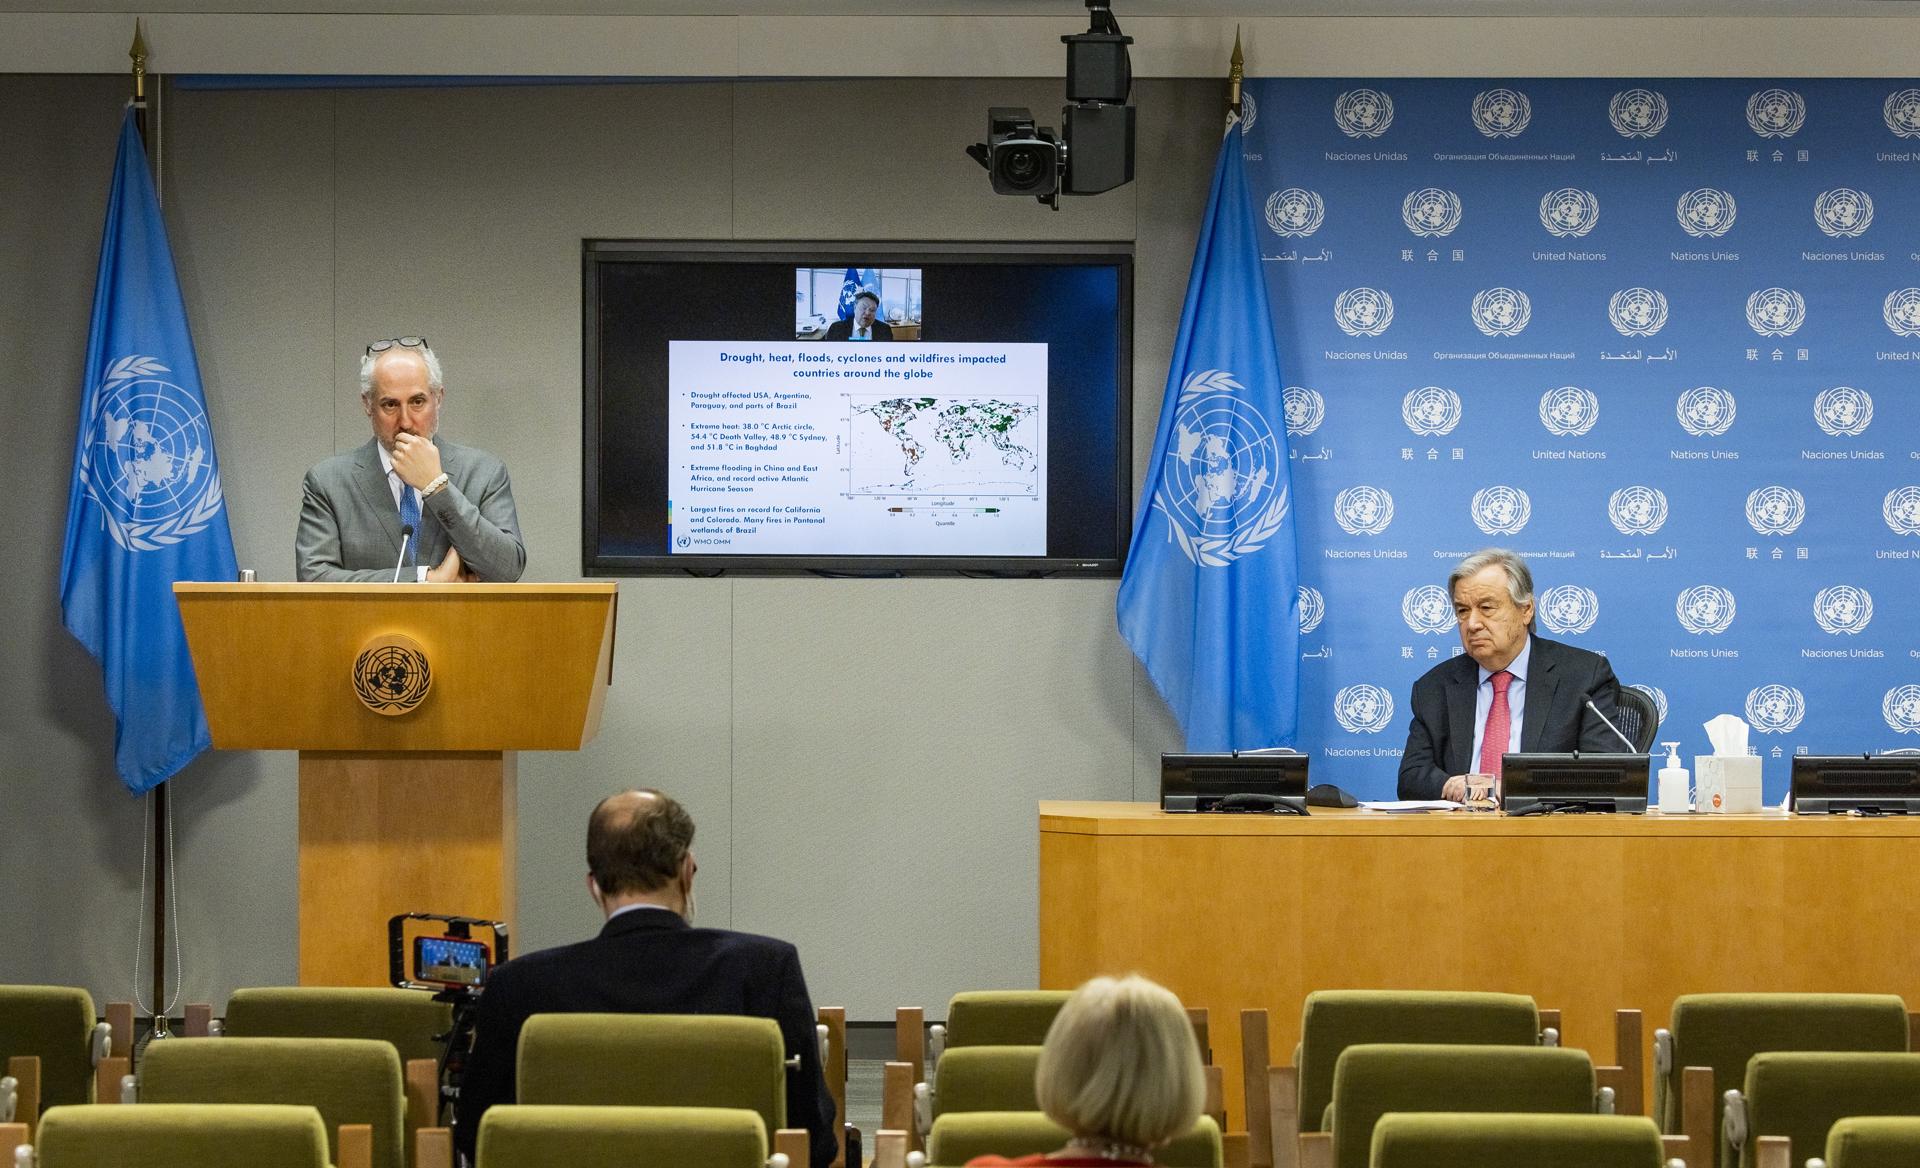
(1661, 337)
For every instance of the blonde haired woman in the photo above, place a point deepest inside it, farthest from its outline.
(1120, 1070)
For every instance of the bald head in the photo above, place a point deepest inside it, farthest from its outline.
(638, 842)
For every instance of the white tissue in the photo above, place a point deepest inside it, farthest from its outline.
(1728, 733)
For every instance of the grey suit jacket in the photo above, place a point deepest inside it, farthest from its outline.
(350, 526)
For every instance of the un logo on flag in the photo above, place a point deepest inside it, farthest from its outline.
(1363, 709)
(1363, 312)
(1843, 609)
(1637, 510)
(1901, 310)
(1363, 510)
(1901, 708)
(1704, 608)
(1569, 212)
(1295, 212)
(1637, 312)
(1901, 510)
(1776, 113)
(1501, 312)
(1706, 213)
(1430, 212)
(1304, 408)
(1843, 213)
(1363, 113)
(1775, 709)
(1313, 609)
(1637, 113)
(1224, 494)
(1501, 113)
(1843, 411)
(1776, 312)
(1902, 112)
(147, 459)
(1569, 608)
(1428, 610)
(1569, 411)
(1705, 412)
(1659, 697)
(1431, 411)
(1776, 510)
(1501, 510)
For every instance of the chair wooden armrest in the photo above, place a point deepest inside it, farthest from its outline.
(896, 1102)
(1283, 1111)
(834, 1064)
(1255, 1053)
(889, 1148)
(107, 1076)
(1773, 1152)
(433, 1148)
(1679, 1148)
(24, 1069)
(793, 1143)
(1550, 1020)
(356, 1146)
(198, 1022)
(1316, 1150)
(1696, 1112)
(1234, 1148)
(422, 1080)
(1216, 1098)
(12, 1136)
(1913, 1029)
(1629, 1065)
(120, 1017)
(1197, 1015)
(910, 1047)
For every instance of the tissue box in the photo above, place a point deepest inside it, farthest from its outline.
(1728, 784)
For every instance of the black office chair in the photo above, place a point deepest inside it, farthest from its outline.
(1637, 717)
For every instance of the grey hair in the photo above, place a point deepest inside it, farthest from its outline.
(1519, 578)
(435, 380)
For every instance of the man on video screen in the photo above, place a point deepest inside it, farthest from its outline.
(862, 326)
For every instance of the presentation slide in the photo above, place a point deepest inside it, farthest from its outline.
(798, 448)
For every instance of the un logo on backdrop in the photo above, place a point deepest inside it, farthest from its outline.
(1843, 609)
(1569, 411)
(1295, 212)
(1843, 411)
(1775, 709)
(1363, 312)
(1249, 111)
(1304, 408)
(1569, 608)
(1637, 113)
(1430, 212)
(1706, 213)
(1569, 212)
(1431, 411)
(1313, 609)
(1901, 708)
(1901, 309)
(1363, 709)
(1637, 510)
(1902, 112)
(1501, 510)
(1901, 510)
(1776, 510)
(1427, 609)
(1659, 697)
(1705, 411)
(1363, 113)
(1843, 213)
(1637, 312)
(1501, 312)
(1776, 113)
(1776, 312)
(1501, 113)
(1225, 494)
(1363, 510)
(1704, 608)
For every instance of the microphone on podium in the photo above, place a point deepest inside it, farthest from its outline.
(406, 537)
(1631, 748)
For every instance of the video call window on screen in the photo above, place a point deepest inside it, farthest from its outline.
(824, 295)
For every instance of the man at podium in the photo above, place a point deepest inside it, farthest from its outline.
(407, 501)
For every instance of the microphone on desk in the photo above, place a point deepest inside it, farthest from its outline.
(1631, 748)
(406, 537)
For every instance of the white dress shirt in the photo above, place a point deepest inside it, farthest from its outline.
(1516, 705)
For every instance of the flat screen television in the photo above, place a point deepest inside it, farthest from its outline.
(870, 409)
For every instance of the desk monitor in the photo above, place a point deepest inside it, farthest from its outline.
(1234, 782)
(1871, 784)
(1534, 784)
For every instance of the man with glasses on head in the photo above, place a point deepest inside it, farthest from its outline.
(457, 500)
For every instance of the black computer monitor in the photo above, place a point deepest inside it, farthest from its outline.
(1532, 784)
(1234, 782)
(1885, 784)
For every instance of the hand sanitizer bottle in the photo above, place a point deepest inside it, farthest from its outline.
(1673, 783)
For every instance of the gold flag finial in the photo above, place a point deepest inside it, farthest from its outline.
(139, 54)
(1235, 74)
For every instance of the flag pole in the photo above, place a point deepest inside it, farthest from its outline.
(1236, 72)
(139, 54)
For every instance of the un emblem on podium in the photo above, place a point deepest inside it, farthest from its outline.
(391, 675)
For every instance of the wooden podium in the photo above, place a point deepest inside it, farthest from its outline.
(412, 810)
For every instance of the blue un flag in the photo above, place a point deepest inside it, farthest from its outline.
(145, 508)
(849, 288)
(1209, 599)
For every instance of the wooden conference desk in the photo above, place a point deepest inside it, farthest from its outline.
(1587, 913)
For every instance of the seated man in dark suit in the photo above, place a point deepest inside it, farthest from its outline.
(863, 326)
(648, 959)
(1511, 693)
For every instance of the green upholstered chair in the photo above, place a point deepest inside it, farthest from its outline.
(179, 1136)
(1877, 1141)
(350, 1081)
(997, 1018)
(531, 1136)
(1373, 1079)
(1802, 1094)
(1423, 1139)
(57, 1025)
(961, 1136)
(978, 1078)
(1722, 1032)
(406, 1018)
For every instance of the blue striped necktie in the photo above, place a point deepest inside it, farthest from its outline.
(410, 517)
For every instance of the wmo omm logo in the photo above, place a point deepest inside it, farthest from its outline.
(1501, 113)
(1313, 609)
(1901, 510)
(1430, 212)
(1704, 608)
(1776, 113)
(1363, 113)
(1305, 409)
(1776, 312)
(1775, 709)
(1363, 510)
(1569, 212)
(1705, 411)
(1843, 411)
(1637, 312)
(1363, 709)
(1501, 312)
(1637, 113)
(1428, 610)
(1431, 411)
(1901, 708)
(1501, 509)
(1706, 213)
(1776, 510)
(1901, 311)
(1902, 112)
(1295, 212)
(1569, 411)
(1637, 510)
(1843, 213)
(1569, 608)
(1363, 312)
(1843, 609)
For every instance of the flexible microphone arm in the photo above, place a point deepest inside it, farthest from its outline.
(406, 537)
(1631, 748)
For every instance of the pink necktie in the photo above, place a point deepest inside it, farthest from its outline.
(1493, 743)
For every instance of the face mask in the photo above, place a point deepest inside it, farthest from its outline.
(690, 905)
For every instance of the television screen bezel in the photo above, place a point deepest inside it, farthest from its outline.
(879, 254)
